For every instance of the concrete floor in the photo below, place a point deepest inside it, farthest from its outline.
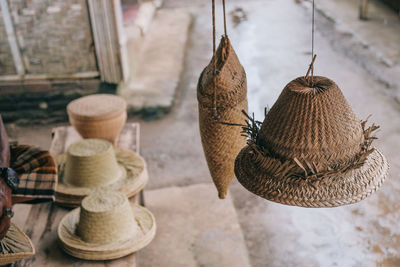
(273, 44)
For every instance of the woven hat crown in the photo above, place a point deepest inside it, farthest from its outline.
(312, 123)
(91, 163)
(106, 216)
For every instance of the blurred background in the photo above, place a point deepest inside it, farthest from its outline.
(152, 53)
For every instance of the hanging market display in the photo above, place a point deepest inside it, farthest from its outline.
(222, 95)
(311, 150)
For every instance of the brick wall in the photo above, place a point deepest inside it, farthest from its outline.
(54, 37)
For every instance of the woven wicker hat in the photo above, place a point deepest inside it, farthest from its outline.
(93, 163)
(311, 150)
(106, 226)
(15, 246)
(98, 116)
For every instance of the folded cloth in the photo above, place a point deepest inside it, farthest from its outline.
(37, 173)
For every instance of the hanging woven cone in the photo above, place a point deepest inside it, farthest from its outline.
(311, 150)
(221, 142)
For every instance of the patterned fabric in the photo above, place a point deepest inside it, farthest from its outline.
(37, 172)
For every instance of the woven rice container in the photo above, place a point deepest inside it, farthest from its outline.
(98, 116)
(221, 142)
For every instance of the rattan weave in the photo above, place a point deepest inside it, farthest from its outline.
(221, 142)
(92, 163)
(15, 246)
(98, 116)
(311, 150)
(106, 227)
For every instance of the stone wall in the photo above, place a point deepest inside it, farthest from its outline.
(43, 101)
(54, 37)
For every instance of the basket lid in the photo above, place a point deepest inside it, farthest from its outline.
(96, 107)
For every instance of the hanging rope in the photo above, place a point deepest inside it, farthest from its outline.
(223, 5)
(312, 43)
(215, 111)
(313, 57)
(214, 63)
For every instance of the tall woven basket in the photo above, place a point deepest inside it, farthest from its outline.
(222, 95)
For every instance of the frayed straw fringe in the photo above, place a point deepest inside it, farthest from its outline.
(300, 167)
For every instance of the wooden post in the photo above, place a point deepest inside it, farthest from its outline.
(106, 21)
(12, 39)
(363, 9)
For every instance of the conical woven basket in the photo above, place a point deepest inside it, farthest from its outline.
(311, 150)
(221, 142)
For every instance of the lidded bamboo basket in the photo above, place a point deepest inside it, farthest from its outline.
(222, 97)
(311, 150)
(98, 116)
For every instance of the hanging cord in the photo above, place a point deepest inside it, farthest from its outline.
(225, 31)
(215, 112)
(313, 57)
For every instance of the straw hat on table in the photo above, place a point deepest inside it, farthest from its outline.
(311, 150)
(92, 163)
(106, 226)
(15, 246)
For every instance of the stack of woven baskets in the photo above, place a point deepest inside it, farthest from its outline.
(96, 177)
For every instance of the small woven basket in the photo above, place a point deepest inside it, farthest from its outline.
(222, 142)
(98, 116)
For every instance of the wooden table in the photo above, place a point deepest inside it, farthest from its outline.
(40, 221)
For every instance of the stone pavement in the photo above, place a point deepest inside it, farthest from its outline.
(158, 67)
(194, 228)
(372, 43)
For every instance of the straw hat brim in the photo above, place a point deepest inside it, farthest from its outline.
(130, 184)
(19, 243)
(328, 191)
(75, 246)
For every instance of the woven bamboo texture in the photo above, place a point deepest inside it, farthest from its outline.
(15, 246)
(98, 116)
(133, 180)
(106, 227)
(316, 124)
(92, 163)
(221, 143)
(311, 150)
(105, 217)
